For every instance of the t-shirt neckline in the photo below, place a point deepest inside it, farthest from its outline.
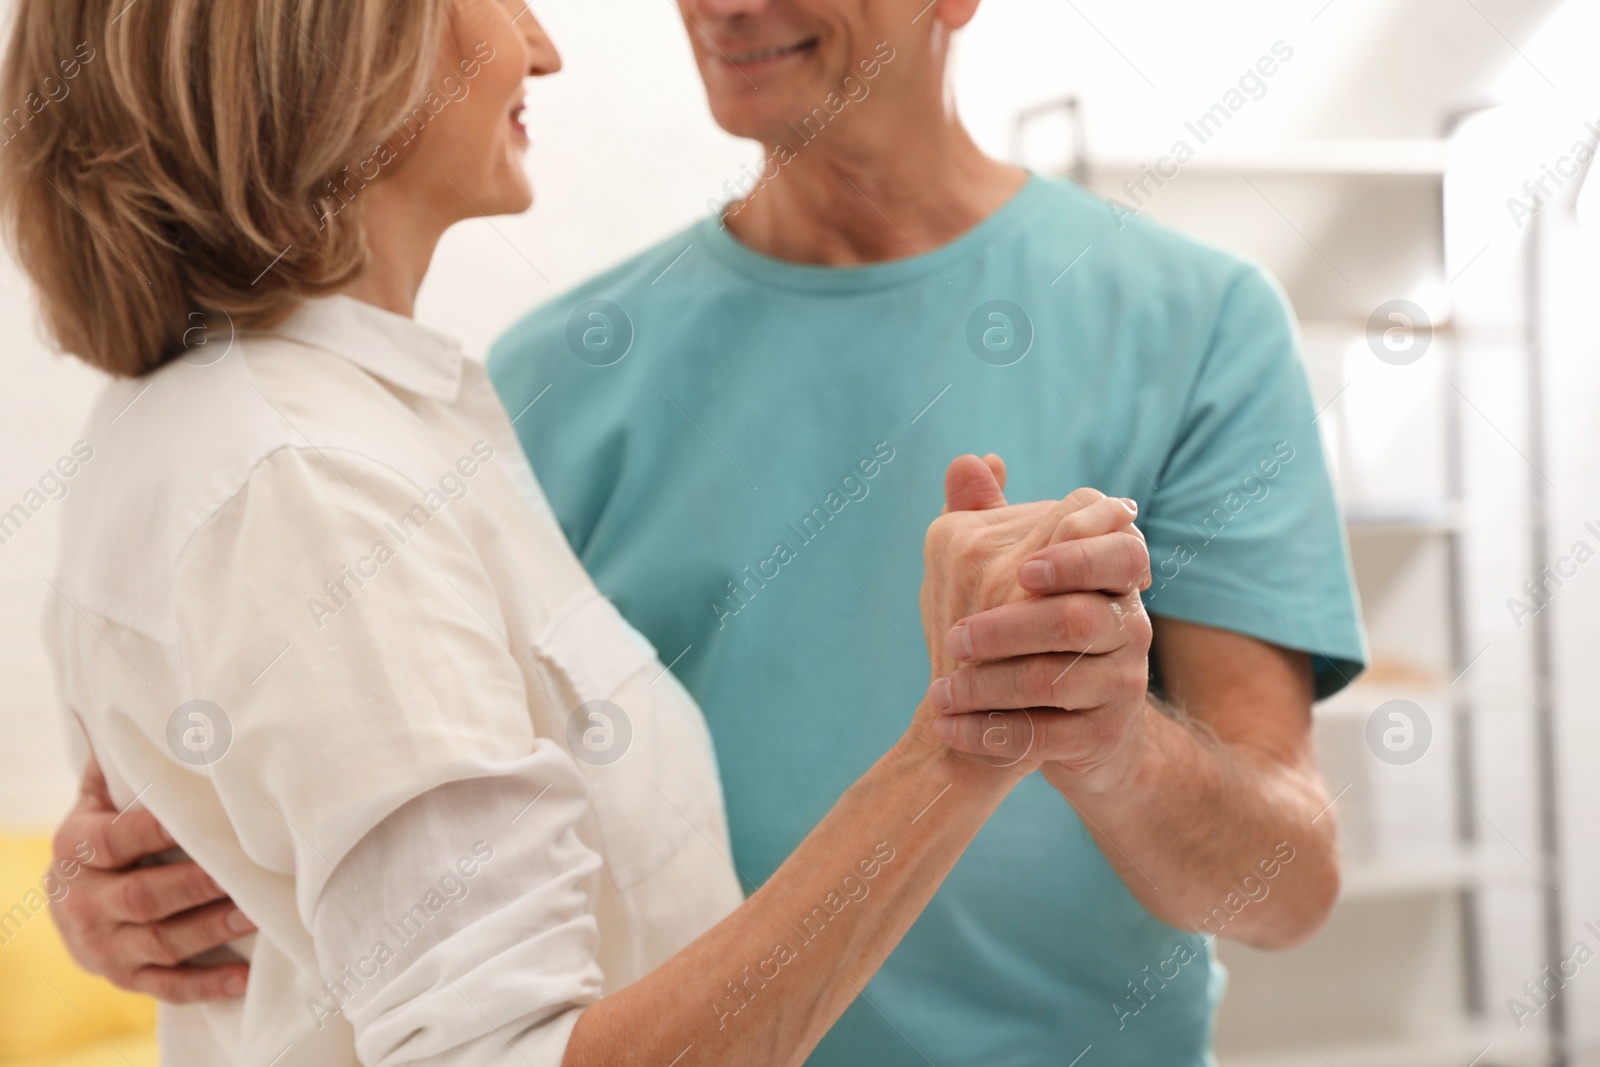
(723, 246)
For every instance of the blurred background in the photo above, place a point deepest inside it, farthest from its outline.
(1416, 175)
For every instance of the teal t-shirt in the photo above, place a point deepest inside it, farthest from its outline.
(746, 454)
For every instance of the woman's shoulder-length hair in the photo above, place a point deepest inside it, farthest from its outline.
(164, 158)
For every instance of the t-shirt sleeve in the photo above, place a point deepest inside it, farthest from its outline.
(1244, 531)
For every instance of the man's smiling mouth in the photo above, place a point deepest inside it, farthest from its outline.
(760, 55)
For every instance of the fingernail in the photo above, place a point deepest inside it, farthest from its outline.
(1037, 574)
(959, 642)
(939, 694)
(238, 923)
(945, 727)
(1133, 505)
(233, 985)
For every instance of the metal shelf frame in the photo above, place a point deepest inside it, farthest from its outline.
(1411, 161)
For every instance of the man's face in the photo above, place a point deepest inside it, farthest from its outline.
(768, 63)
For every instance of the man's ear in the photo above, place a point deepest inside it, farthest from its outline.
(955, 14)
(973, 484)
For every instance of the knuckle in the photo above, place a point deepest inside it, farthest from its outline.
(1012, 682)
(1074, 619)
(965, 691)
(1137, 623)
(94, 833)
(135, 899)
(66, 838)
(1046, 733)
(1145, 635)
(969, 733)
(162, 985)
(1136, 682)
(970, 546)
(1135, 558)
(1072, 562)
(1048, 682)
(1085, 496)
(127, 978)
(159, 948)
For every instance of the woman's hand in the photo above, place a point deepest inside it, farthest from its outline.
(1036, 632)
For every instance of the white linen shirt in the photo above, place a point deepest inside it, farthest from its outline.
(314, 612)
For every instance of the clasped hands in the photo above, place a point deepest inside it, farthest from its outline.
(1037, 636)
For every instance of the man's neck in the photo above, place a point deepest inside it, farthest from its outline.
(839, 202)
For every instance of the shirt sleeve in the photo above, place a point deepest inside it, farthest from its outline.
(1244, 531)
(380, 753)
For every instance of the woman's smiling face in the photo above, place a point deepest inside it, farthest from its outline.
(468, 158)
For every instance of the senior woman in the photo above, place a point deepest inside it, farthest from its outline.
(314, 613)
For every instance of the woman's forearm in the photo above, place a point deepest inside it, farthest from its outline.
(765, 984)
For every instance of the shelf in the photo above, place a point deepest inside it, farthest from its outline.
(1390, 879)
(1377, 159)
(1418, 518)
(1445, 1049)
(1359, 699)
(1354, 329)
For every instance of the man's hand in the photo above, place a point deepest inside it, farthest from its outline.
(1182, 806)
(136, 925)
(1057, 670)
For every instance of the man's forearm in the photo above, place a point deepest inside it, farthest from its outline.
(1217, 838)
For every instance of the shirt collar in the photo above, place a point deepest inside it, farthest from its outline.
(392, 347)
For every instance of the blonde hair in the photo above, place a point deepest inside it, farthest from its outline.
(163, 158)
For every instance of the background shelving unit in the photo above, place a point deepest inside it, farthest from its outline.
(1405, 956)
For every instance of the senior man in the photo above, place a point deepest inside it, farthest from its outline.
(743, 431)
(882, 297)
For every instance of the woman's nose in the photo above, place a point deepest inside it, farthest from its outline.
(543, 58)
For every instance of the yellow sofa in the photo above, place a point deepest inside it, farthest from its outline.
(52, 1014)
